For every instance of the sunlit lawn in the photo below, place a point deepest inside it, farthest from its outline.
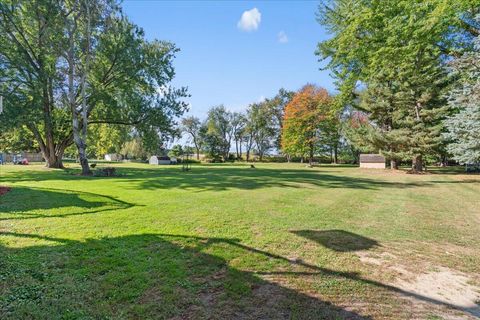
(227, 241)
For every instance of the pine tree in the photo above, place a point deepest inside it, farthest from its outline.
(464, 127)
(396, 49)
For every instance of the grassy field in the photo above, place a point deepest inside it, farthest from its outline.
(280, 241)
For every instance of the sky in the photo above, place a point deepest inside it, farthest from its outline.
(236, 52)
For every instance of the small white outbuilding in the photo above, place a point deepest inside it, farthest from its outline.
(153, 160)
(372, 161)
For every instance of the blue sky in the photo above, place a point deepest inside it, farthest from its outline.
(225, 61)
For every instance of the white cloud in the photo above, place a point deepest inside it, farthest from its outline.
(250, 20)
(282, 37)
(261, 99)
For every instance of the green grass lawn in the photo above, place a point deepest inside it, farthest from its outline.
(229, 242)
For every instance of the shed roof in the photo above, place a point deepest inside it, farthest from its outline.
(372, 158)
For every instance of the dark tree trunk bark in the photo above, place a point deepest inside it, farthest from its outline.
(417, 163)
(52, 159)
(335, 154)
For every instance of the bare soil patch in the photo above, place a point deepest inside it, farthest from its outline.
(444, 291)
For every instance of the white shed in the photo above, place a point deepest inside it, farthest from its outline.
(372, 161)
(113, 157)
(153, 160)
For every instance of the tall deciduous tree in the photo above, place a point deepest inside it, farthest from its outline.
(193, 127)
(262, 127)
(303, 120)
(118, 77)
(219, 131)
(239, 122)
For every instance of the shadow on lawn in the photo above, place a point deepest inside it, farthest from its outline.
(25, 203)
(338, 240)
(166, 276)
(225, 177)
(206, 178)
(145, 276)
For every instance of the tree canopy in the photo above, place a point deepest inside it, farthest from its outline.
(305, 115)
(127, 81)
(389, 57)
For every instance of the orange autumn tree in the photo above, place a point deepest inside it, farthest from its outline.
(302, 122)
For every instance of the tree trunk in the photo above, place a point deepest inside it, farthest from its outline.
(417, 163)
(81, 147)
(393, 164)
(198, 153)
(77, 129)
(54, 159)
(310, 157)
(335, 154)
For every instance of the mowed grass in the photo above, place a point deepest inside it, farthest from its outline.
(226, 241)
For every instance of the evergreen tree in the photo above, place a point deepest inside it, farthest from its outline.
(397, 50)
(464, 127)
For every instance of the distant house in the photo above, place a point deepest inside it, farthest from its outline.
(372, 161)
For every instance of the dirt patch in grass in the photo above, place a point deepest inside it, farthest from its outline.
(4, 190)
(446, 292)
(446, 286)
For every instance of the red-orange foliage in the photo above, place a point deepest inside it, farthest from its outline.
(302, 118)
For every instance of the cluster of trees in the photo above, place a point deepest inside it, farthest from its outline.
(79, 78)
(311, 124)
(69, 65)
(257, 130)
(302, 125)
(407, 72)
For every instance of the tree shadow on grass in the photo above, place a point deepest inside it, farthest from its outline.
(33, 203)
(145, 276)
(158, 276)
(338, 240)
(226, 177)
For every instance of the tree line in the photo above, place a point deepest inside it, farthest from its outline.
(302, 124)
(78, 78)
